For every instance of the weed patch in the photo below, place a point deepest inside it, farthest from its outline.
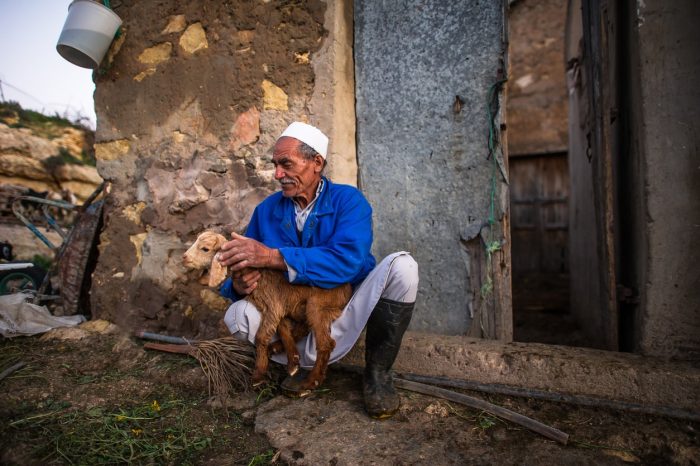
(152, 432)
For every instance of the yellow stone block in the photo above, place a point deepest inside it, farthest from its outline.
(100, 326)
(176, 23)
(194, 39)
(137, 241)
(213, 301)
(142, 75)
(107, 151)
(301, 58)
(178, 137)
(156, 54)
(133, 212)
(274, 98)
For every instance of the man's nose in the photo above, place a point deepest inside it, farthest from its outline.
(279, 173)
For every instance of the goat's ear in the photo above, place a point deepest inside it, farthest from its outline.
(217, 273)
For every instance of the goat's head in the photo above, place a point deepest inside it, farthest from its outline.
(202, 254)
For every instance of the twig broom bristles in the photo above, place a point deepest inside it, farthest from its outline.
(227, 362)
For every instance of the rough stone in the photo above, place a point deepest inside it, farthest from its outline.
(194, 39)
(100, 326)
(133, 212)
(301, 58)
(24, 244)
(65, 334)
(72, 140)
(176, 23)
(84, 173)
(178, 137)
(115, 47)
(137, 241)
(112, 150)
(537, 105)
(214, 301)
(246, 129)
(245, 38)
(157, 54)
(274, 98)
(144, 74)
(16, 165)
(22, 142)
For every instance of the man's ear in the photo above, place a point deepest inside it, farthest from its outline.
(319, 163)
(217, 273)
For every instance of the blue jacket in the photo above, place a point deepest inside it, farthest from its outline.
(334, 247)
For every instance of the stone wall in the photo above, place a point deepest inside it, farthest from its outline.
(189, 105)
(537, 98)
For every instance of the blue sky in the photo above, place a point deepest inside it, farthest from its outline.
(31, 71)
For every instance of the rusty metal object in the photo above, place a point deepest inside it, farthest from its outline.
(77, 260)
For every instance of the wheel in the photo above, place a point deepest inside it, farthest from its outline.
(14, 281)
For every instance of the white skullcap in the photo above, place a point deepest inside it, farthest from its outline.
(309, 135)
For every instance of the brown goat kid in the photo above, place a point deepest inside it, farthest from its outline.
(284, 308)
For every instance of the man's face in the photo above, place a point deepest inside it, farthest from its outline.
(297, 175)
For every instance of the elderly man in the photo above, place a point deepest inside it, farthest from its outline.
(320, 234)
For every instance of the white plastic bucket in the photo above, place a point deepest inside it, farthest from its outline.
(87, 33)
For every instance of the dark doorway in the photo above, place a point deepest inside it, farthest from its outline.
(540, 258)
(537, 113)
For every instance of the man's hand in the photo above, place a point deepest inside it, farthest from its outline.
(242, 252)
(245, 283)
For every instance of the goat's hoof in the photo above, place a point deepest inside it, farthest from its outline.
(257, 380)
(294, 386)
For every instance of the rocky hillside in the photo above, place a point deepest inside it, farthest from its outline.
(51, 156)
(46, 153)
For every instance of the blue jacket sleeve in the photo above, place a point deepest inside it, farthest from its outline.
(342, 256)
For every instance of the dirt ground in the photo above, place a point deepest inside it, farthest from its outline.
(106, 400)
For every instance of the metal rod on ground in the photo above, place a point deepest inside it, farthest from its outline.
(533, 425)
(11, 369)
(554, 396)
(165, 338)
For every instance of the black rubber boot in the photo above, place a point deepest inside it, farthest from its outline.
(385, 329)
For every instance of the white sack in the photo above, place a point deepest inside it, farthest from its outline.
(18, 317)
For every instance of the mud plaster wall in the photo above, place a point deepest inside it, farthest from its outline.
(537, 98)
(423, 72)
(189, 105)
(665, 125)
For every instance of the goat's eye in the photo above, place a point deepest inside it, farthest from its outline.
(205, 249)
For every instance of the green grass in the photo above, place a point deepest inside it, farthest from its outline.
(31, 119)
(262, 458)
(153, 432)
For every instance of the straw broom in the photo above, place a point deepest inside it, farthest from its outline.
(227, 362)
